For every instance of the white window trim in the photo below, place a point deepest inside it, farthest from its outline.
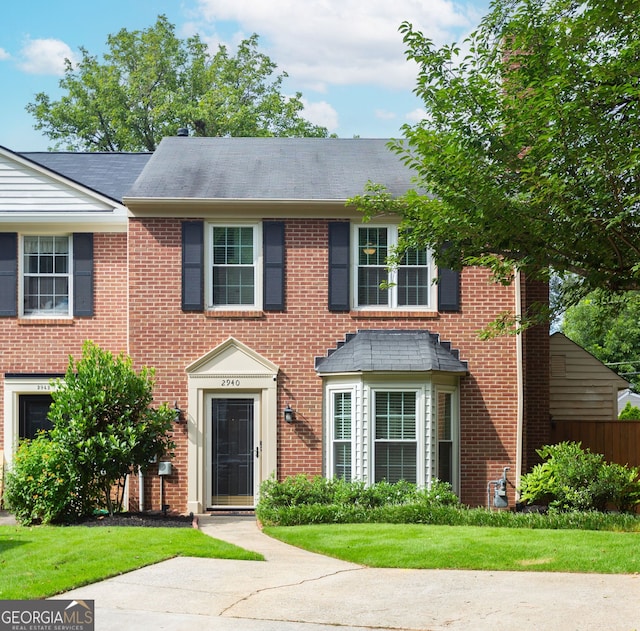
(44, 315)
(331, 391)
(257, 266)
(421, 393)
(363, 432)
(392, 305)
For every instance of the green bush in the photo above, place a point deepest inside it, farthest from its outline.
(573, 479)
(103, 429)
(303, 500)
(300, 500)
(42, 484)
(630, 413)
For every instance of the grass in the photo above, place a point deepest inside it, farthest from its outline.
(38, 562)
(469, 547)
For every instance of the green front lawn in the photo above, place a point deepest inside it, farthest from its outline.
(41, 561)
(469, 547)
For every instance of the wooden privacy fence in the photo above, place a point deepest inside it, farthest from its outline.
(617, 441)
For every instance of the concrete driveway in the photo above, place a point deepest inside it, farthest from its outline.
(297, 590)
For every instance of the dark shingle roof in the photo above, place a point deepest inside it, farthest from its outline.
(269, 169)
(391, 351)
(111, 174)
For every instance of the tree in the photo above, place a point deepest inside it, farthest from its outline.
(104, 428)
(528, 156)
(151, 83)
(630, 413)
(609, 328)
(102, 416)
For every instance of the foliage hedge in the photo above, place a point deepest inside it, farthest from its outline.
(300, 500)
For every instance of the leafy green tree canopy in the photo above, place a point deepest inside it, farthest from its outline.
(103, 419)
(150, 83)
(630, 413)
(528, 155)
(609, 328)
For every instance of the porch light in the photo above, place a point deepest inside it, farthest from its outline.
(289, 415)
(369, 249)
(177, 418)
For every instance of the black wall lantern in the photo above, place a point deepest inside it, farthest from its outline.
(177, 413)
(289, 415)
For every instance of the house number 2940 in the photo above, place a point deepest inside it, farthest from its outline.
(230, 383)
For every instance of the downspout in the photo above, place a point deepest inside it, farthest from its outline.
(141, 490)
(520, 381)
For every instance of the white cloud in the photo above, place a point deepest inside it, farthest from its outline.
(320, 113)
(44, 56)
(385, 115)
(4, 55)
(341, 42)
(416, 115)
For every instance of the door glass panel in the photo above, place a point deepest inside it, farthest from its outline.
(232, 452)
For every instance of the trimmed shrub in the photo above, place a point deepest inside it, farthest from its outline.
(301, 500)
(573, 479)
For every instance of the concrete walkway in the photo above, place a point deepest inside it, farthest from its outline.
(297, 590)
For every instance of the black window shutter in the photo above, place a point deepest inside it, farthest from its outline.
(339, 238)
(83, 274)
(8, 274)
(273, 265)
(193, 266)
(448, 289)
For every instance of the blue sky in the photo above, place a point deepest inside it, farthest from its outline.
(345, 56)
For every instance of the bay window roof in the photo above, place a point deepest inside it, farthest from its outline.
(391, 351)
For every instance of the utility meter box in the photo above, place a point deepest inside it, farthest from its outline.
(164, 468)
(499, 498)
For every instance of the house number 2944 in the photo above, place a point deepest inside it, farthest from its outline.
(230, 383)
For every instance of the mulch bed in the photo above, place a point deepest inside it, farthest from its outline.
(142, 519)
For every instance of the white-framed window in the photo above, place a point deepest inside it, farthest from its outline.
(46, 275)
(395, 435)
(408, 286)
(342, 426)
(380, 429)
(234, 260)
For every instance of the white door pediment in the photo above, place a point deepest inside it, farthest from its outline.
(232, 357)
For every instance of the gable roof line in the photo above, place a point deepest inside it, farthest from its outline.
(61, 178)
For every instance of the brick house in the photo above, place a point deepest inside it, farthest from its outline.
(234, 268)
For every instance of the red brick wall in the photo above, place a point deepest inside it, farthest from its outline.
(535, 353)
(164, 337)
(44, 346)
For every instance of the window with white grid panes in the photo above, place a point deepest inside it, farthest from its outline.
(409, 285)
(46, 275)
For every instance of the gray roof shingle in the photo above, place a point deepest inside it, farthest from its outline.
(111, 174)
(391, 351)
(269, 169)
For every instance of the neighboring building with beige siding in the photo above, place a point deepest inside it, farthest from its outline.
(581, 387)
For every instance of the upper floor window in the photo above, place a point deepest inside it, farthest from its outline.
(46, 275)
(409, 285)
(234, 261)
